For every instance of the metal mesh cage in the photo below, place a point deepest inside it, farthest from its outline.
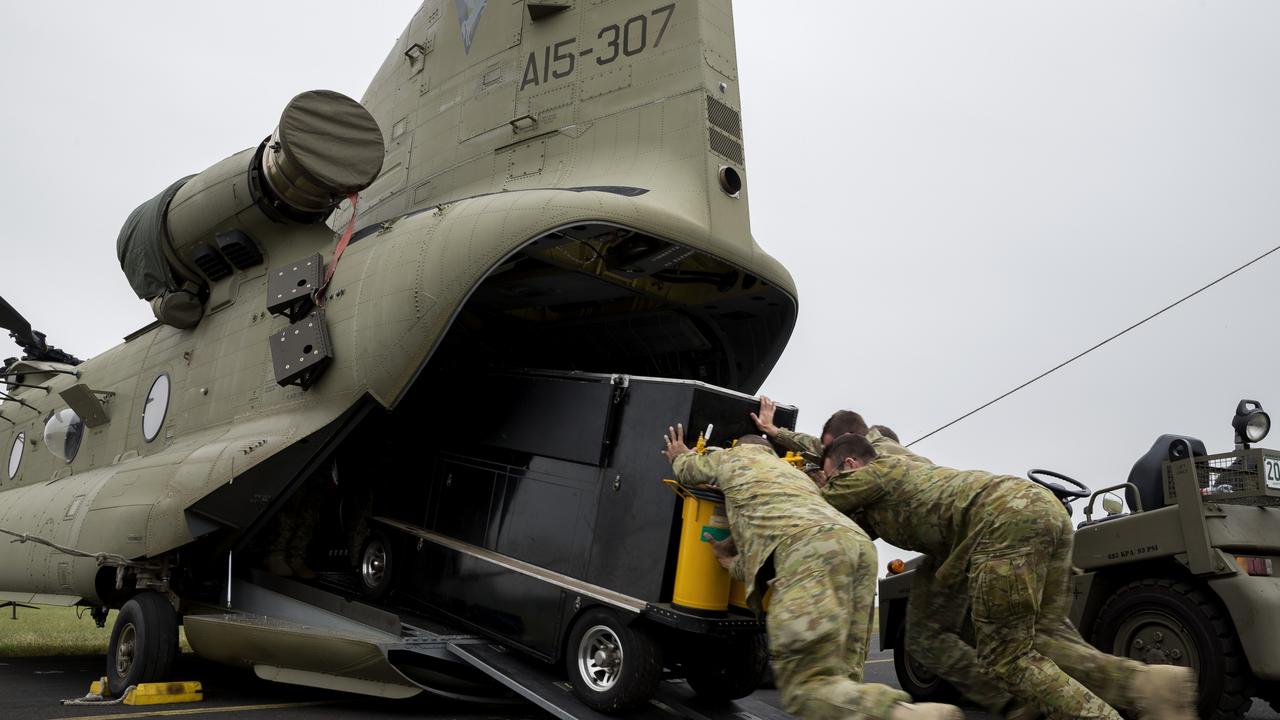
(1236, 478)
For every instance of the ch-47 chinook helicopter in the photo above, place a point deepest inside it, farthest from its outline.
(528, 184)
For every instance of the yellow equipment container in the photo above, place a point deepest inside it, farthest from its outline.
(701, 584)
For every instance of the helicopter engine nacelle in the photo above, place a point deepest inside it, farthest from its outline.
(202, 228)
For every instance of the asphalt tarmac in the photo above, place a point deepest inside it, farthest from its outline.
(32, 688)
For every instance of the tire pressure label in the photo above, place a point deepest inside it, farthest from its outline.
(1272, 467)
(613, 42)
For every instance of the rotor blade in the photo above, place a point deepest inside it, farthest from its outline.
(12, 320)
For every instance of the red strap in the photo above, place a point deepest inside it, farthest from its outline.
(337, 252)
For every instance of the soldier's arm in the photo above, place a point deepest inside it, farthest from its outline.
(692, 469)
(738, 568)
(850, 491)
(861, 519)
(798, 442)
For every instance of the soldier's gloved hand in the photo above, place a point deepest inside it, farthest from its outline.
(726, 550)
(764, 420)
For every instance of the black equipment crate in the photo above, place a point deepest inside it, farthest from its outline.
(563, 471)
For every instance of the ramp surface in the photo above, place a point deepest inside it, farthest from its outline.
(537, 683)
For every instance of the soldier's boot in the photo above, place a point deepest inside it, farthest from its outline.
(276, 564)
(1164, 692)
(926, 711)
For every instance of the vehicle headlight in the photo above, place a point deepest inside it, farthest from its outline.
(1251, 423)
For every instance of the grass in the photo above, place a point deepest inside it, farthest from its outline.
(55, 631)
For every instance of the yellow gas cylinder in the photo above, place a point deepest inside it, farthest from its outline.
(701, 584)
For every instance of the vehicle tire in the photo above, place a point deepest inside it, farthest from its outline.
(612, 666)
(144, 643)
(376, 565)
(1171, 622)
(724, 671)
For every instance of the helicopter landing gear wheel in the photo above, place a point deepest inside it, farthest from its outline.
(613, 666)
(144, 643)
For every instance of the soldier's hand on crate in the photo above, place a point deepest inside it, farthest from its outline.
(675, 443)
(726, 550)
(764, 419)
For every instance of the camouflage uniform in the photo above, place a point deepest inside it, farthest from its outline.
(811, 447)
(935, 612)
(819, 619)
(1010, 541)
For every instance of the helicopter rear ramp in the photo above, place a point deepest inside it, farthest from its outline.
(303, 635)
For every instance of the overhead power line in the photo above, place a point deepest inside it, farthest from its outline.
(1072, 359)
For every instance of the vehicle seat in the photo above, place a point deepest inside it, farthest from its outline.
(1148, 473)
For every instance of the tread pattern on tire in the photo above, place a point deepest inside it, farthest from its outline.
(157, 642)
(641, 652)
(1237, 679)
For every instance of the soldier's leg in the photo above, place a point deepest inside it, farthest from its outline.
(809, 624)
(1007, 576)
(1120, 681)
(862, 611)
(935, 616)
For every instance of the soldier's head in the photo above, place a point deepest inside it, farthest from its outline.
(847, 452)
(843, 422)
(753, 440)
(885, 431)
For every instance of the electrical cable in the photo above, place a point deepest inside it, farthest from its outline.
(1065, 363)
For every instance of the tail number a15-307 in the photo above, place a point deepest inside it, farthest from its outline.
(626, 39)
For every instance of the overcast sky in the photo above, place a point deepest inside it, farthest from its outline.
(967, 193)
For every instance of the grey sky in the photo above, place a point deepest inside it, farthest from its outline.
(966, 192)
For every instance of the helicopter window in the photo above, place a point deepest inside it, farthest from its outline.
(157, 405)
(15, 455)
(63, 433)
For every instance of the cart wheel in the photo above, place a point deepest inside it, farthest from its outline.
(729, 670)
(1165, 621)
(613, 666)
(917, 680)
(376, 565)
(144, 643)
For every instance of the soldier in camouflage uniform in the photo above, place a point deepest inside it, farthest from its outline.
(935, 612)
(824, 570)
(1011, 539)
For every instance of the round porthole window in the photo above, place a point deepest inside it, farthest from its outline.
(63, 433)
(154, 411)
(15, 455)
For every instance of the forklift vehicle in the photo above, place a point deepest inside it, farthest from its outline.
(1184, 578)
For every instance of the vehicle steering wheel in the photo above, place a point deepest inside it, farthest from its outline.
(1080, 490)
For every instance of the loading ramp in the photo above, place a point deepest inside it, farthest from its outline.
(401, 654)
